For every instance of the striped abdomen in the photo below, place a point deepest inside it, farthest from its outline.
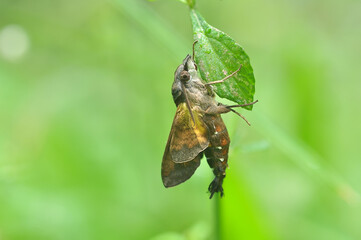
(217, 152)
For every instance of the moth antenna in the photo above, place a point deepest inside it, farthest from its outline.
(188, 104)
(240, 116)
(224, 79)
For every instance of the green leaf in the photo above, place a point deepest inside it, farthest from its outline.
(218, 55)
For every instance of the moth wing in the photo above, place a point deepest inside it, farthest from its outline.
(176, 173)
(180, 163)
(187, 139)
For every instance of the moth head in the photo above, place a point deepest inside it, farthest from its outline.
(184, 76)
(183, 79)
(181, 74)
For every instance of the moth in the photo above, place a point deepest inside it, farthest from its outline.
(197, 129)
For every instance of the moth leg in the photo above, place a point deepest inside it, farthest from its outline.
(195, 65)
(221, 108)
(241, 105)
(245, 119)
(222, 80)
(194, 43)
(217, 109)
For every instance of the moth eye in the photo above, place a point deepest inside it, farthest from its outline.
(184, 76)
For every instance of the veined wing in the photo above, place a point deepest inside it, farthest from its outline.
(187, 139)
(185, 146)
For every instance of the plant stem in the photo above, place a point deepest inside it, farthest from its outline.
(217, 217)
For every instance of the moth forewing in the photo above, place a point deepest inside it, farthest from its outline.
(188, 139)
(185, 146)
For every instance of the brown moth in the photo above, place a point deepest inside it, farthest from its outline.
(197, 129)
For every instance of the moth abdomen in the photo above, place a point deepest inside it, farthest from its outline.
(217, 152)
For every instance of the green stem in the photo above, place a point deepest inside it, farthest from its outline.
(217, 217)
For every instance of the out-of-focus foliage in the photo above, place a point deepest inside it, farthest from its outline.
(86, 108)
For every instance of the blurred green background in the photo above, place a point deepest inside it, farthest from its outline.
(86, 109)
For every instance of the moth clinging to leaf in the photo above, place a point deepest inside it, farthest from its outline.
(197, 129)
